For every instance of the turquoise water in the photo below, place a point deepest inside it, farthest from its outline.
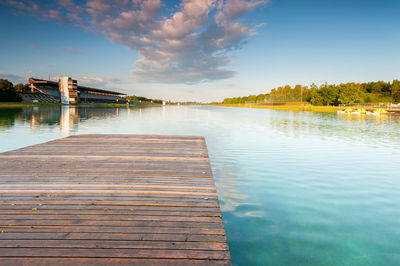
(295, 188)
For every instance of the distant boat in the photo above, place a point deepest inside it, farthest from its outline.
(345, 111)
(359, 112)
(380, 112)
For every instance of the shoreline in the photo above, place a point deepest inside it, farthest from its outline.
(304, 108)
(300, 108)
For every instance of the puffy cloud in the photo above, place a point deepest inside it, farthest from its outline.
(28, 6)
(88, 80)
(93, 81)
(83, 79)
(13, 78)
(236, 8)
(70, 5)
(190, 45)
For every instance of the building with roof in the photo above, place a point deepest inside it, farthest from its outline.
(67, 91)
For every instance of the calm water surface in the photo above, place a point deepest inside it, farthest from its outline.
(295, 187)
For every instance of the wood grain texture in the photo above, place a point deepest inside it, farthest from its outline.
(111, 199)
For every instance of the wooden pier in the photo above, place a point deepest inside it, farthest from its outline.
(105, 199)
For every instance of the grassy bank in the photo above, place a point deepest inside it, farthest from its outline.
(297, 107)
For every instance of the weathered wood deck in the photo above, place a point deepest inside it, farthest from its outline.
(105, 199)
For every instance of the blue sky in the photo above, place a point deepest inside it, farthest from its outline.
(201, 50)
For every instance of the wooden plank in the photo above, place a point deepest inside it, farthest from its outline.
(41, 185)
(113, 229)
(105, 191)
(32, 261)
(132, 217)
(49, 196)
(126, 157)
(74, 208)
(116, 253)
(99, 200)
(19, 221)
(40, 211)
(108, 199)
(117, 194)
(110, 204)
(67, 243)
(112, 236)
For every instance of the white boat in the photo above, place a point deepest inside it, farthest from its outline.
(360, 112)
(380, 112)
(345, 111)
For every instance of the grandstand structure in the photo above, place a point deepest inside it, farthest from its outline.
(67, 91)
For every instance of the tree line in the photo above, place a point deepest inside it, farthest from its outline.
(142, 99)
(327, 94)
(10, 92)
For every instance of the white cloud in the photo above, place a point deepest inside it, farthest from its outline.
(89, 80)
(13, 78)
(191, 45)
(94, 81)
(236, 8)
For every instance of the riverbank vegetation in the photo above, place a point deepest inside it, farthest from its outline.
(287, 106)
(10, 92)
(326, 94)
(139, 99)
(144, 100)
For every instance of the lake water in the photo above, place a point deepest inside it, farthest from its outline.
(294, 187)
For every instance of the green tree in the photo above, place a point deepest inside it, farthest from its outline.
(329, 94)
(371, 92)
(316, 97)
(351, 93)
(6, 86)
(260, 98)
(7, 92)
(395, 88)
(21, 87)
(251, 99)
